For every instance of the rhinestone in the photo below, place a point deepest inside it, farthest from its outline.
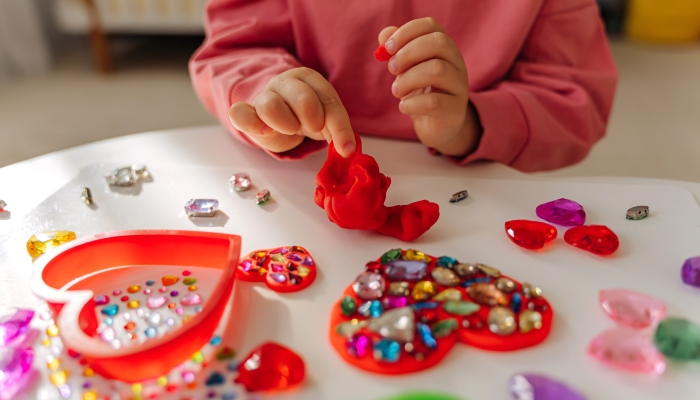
(369, 286)
(201, 207)
(487, 294)
(459, 196)
(399, 289)
(40, 243)
(120, 177)
(501, 321)
(262, 197)
(531, 292)
(505, 285)
(444, 276)
(466, 270)
(406, 270)
(562, 212)
(530, 320)
(240, 182)
(449, 294)
(638, 212)
(86, 195)
(397, 324)
(423, 290)
(460, 307)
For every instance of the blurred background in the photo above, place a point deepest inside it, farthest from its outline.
(77, 71)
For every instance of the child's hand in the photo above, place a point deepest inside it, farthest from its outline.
(295, 104)
(432, 83)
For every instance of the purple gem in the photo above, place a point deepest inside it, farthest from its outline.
(690, 272)
(13, 323)
(280, 250)
(406, 270)
(357, 345)
(245, 264)
(14, 363)
(395, 302)
(540, 387)
(294, 257)
(562, 212)
(65, 391)
(87, 385)
(308, 261)
(101, 300)
(276, 267)
(279, 278)
(174, 293)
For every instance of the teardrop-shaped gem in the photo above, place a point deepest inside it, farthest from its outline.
(633, 309)
(529, 320)
(397, 324)
(191, 299)
(461, 308)
(678, 338)
(449, 294)
(156, 301)
(562, 212)
(445, 276)
(540, 387)
(627, 349)
(531, 235)
(101, 300)
(597, 239)
(487, 294)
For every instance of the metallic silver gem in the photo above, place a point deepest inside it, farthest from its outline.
(531, 291)
(2, 205)
(459, 196)
(87, 196)
(501, 321)
(466, 270)
(639, 212)
(397, 324)
(240, 182)
(399, 289)
(139, 171)
(201, 207)
(262, 197)
(490, 271)
(445, 276)
(120, 177)
(349, 328)
(505, 285)
(369, 286)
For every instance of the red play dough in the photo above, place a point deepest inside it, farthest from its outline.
(353, 191)
(270, 367)
(298, 267)
(381, 54)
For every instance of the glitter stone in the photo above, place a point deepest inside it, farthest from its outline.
(627, 349)
(540, 387)
(444, 327)
(101, 300)
(447, 262)
(240, 182)
(633, 309)
(638, 212)
(191, 299)
(445, 276)
(162, 290)
(126, 316)
(423, 290)
(201, 207)
(189, 281)
(678, 338)
(52, 331)
(690, 271)
(262, 197)
(294, 257)
(505, 285)
(65, 391)
(270, 366)
(156, 301)
(59, 378)
(186, 273)
(303, 271)
(532, 235)
(172, 305)
(395, 302)
(39, 243)
(108, 321)
(180, 311)
(133, 304)
(597, 239)
(169, 280)
(279, 278)
(562, 212)
(162, 381)
(371, 308)
(215, 340)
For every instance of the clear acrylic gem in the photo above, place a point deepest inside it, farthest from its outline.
(120, 177)
(240, 182)
(369, 286)
(262, 197)
(201, 207)
(397, 324)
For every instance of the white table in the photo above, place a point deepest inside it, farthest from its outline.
(25, 185)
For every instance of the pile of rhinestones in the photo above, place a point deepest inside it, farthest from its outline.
(283, 264)
(404, 302)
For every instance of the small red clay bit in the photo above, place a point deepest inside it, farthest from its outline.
(381, 54)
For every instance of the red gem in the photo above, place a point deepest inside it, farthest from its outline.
(373, 266)
(598, 239)
(427, 316)
(381, 54)
(125, 298)
(270, 366)
(473, 322)
(73, 353)
(186, 273)
(530, 234)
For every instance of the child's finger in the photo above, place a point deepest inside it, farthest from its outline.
(432, 104)
(245, 119)
(436, 73)
(386, 33)
(426, 47)
(303, 101)
(411, 30)
(273, 111)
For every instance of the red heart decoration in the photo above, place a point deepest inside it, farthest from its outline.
(284, 269)
(531, 235)
(597, 239)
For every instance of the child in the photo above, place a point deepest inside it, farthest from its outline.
(525, 83)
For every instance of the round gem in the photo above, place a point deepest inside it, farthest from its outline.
(348, 306)
(189, 281)
(501, 321)
(133, 289)
(174, 293)
(191, 299)
(530, 320)
(162, 290)
(186, 273)
(690, 271)
(192, 288)
(369, 286)
(110, 310)
(133, 304)
(124, 298)
(146, 291)
(169, 280)
(101, 300)
(117, 292)
(108, 334)
(150, 282)
(678, 338)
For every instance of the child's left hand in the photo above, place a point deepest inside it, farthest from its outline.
(433, 85)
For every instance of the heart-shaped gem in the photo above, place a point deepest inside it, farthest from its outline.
(540, 387)
(270, 366)
(562, 212)
(531, 235)
(633, 309)
(627, 349)
(598, 239)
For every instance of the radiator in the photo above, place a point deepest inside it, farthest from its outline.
(133, 16)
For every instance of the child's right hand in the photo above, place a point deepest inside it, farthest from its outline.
(295, 104)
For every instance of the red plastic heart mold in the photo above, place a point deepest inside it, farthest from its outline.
(284, 269)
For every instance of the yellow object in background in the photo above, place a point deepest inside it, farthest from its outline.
(664, 21)
(40, 243)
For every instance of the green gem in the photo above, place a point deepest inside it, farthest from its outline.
(348, 306)
(444, 327)
(678, 338)
(421, 395)
(278, 258)
(390, 255)
(460, 307)
(189, 281)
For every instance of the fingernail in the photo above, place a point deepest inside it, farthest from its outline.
(348, 149)
(393, 65)
(266, 129)
(390, 46)
(395, 88)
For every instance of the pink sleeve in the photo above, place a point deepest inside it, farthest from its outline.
(248, 42)
(555, 102)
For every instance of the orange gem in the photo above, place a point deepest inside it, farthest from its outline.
(133, 288)
(192, 288)
(130, 326)
(170, 280)
(171, 305)
(192, 385)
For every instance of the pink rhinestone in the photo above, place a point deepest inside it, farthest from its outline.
(633, 309)
(627, 349)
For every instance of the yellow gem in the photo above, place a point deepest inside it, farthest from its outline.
(133, 288)
(39, 243)
(46, 342)
(52, 331)
(423, 290)
(259, 255)
(530, 320)
(162, 381)
(449, 294)
(170, 280)
(303, 271)
(90, 395)
(198, 357)
(59, 378)
(186, 319)
(53, 364)
(136, 389)
(192, 288)
(88, 372)
(415, 255)
(262, 271)
(133, 304)
(278, 258)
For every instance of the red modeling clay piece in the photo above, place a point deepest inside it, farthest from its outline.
(381, 54)
(435, 303)
(284, 269)
(353, 191)
(269, 367)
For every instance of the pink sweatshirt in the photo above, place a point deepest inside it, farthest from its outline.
(541, 75)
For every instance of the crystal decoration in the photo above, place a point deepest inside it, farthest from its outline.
(14, 364)
(358, 345)
(540, 387)
(690, 271)
(387, 350)
(449, 294)
(372, 308)
(40, 243)
(395, 302)
(397, 324)
(532, 235)
(191, 299)
(633, 309)
(627, 349)
(86, 195)
(240, 182)
(369, 286)
(501, 321)
(487, 294)
(201, 207)
(120, 177)
(399, 289)
(678, 338)
(406, 270)
(156, 301)
(466, 270)
(638, 212)
(445, 276)
(562, 212)
(489, 271)
(444, 328)
(270, 367)
(426, 335)
(348, 306)
(423, 290)
(461, 308)
(597, 239)
(506, 285)
(529, 320)
(13, 323)
(3, 204)
(459, 196)
(262, 197)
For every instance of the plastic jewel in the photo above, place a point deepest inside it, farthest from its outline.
(14, 364)
(381, 54)
(562, 212)
(262, 197)
(489, 271)
(110, 310)
(395, 302)
(445, 276)
(120, 177)
(349, 328)
(371, 308)
(690, 271)
(540, 387)
(633, 309)
(423, 290)
(348, 306)
(40, 243)
(426, 335)
(240, 182)
(627, 349)
(449, 294)
(598, 239)
(216, 378)
(459, 196)
(397, 324)
(461, 308)
(201, 207)
(487, 294)
(638, 212)
(506, 285)
(86, 195)
(444, 328)
(358, 345)
(13, 323)
(3, 204)
(466, 270)
(531, 235)
(387, 350)
(531, 291)
(406, 270)
(369, 286)
(392, 254)
(529, 320)
(678, 338)
(191, 299)
(140, 171)
(501, 321)
(169, 280)
(416, 255)
(269, 367)
(156, 301)
(447, 262)
(399, 289)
